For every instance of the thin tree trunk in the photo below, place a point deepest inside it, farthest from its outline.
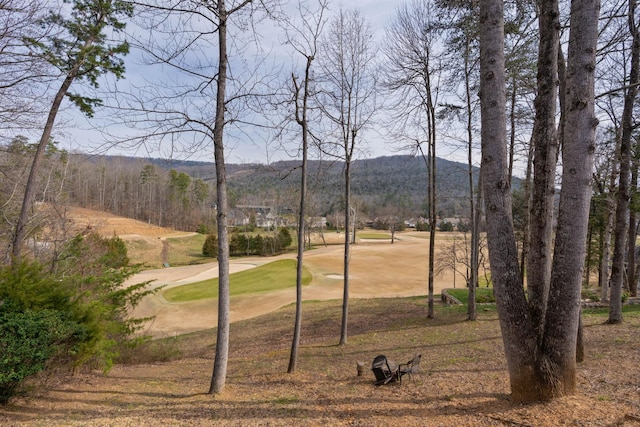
(633, 229)
(605, 252)
(432, 234)
(472, 313)
(512, 127)
(526, 234)
(20, 230)
(219, 376)
(347, 250)
(622, 208)
(301, 118)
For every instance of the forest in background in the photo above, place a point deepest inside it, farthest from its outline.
(181, 194)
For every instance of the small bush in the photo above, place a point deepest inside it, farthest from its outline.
(210, 247)
(624, 297)
(29, 340)
(590, 294)
(446, 226)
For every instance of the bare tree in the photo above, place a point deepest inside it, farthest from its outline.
(24, 77)
(413, 70)
(303, 37)
(347, 100)
(461, 22)
(541, 358)
(206, 47)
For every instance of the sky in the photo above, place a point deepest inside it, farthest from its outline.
(252, 145)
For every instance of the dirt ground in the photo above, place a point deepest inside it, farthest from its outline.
(463, 381)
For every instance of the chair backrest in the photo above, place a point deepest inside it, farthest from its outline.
(380, 367)
(414, 364)
(379, 361)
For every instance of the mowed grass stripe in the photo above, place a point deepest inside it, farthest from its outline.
(276, 275)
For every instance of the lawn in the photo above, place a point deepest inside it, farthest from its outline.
(187, 250)
(275, 275)
(463, 379)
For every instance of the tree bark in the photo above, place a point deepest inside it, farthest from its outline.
(347, 249)
(517, 331)
(541, 365)
(301, 119)
(558, 349)
(219, 376)
(632, 271)
(545, 142)
(622, 207)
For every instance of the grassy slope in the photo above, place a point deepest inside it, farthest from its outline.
(463, 379)
(276, 275)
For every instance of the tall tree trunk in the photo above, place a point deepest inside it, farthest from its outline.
(347, 250)
(605, 240)
(20, 230)
(512, 126)
(563, 314)
(545, 142)
(622, 207)
(219, 376)
(633, 226)
(433, 211)
(541, 365)
(472, 313)
(518, 336)
(605, 252)
(301, 119)
(526, 232)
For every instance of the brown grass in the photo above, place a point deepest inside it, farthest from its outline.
(463, 381)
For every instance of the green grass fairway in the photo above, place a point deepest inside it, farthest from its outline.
(276, 275)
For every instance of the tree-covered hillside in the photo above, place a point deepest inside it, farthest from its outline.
(395, 182)
(181, 194)
(385, 184)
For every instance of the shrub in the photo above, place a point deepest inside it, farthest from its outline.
(624, 297)
(284, 238)
(590, 294)
(422, 225)
(74, 313)
(445, 226)
(29, 340)
(210, 246)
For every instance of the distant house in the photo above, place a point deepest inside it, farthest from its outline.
(410, 223)
(238, 218)
(317, 222)
(266, 216)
